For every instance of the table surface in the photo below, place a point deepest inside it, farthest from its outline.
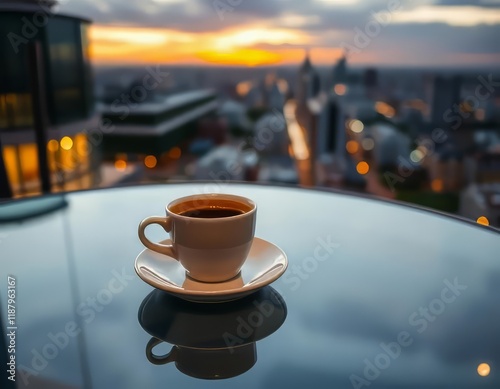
(376, 295)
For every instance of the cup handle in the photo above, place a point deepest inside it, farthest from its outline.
(159, 359)
(166, 223)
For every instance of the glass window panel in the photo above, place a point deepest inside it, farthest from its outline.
(87, 69)
(65, 70)
(14, 75)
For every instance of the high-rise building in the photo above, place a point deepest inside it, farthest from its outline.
(308, 82)
(46, 98)
(445, 98)
(370, 82)
(340, 72)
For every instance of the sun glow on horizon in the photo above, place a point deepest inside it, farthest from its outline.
(252, 45)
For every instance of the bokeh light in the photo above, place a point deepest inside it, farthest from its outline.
(385, 109)
(150, 161)
(483, 220)
(340, 89)
(352, 147)
(437, 185)
(175, 153)
(356, 126)
(362, 167)
(416, 155)
(368, 144)
(53, 145)
(120, 165)
(483, 369)
(66, 143)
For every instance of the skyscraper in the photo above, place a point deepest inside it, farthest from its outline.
(340, 72)
(46, 97)
(445, 98)
(308, 83)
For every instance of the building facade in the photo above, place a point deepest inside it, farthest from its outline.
(46, 96)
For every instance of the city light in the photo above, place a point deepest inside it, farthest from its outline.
(150, 161)
(483, 369)
(484, 221)
(66, 143)
(385, 109)
(368, 144)
(362, 167)
(242, 88)
(53, 145)
(437, 185)
(340, 89)
(352, 147)
(416, 156)
(480, 114)
(356, 126)
(120, 165)
(175, 153)
(423, 149)
(297, 138)
(282, 86)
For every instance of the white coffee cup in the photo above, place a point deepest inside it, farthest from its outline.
(211, 234)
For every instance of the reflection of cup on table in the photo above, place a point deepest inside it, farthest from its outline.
(210, 341)
(211, 234)
(206, 363)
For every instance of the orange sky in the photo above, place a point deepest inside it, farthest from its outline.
(252, 46)
(282, 41)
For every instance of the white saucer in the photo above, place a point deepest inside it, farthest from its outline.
(266, 262)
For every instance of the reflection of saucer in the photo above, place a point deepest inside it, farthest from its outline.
(183, 323)
(214, 341)
(265, 264)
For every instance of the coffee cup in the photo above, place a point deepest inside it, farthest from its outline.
(210, 234)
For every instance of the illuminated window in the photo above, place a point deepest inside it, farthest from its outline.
(15, 110)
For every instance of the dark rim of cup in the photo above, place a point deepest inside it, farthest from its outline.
(211, 196)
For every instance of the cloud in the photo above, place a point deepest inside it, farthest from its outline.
(465, 3)
(456, 16)
(428, 31)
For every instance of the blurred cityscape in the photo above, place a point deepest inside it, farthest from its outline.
(424, 136)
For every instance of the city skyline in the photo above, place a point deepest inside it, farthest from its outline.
(439, 33)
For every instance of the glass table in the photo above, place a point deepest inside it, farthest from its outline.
(376, 294)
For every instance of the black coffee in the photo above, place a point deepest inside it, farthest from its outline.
(211, 213)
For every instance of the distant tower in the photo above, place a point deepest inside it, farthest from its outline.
(332, 137)
(275, 99)
(309, 83)
(370, 81)
(340, 71)
(446, 96)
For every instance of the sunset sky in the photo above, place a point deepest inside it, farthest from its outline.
(272, 32)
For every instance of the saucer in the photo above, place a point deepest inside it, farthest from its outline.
(266, 262)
